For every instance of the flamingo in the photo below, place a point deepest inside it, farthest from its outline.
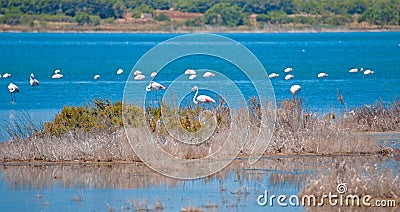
(57, 76)
(295, 89)
(201, 98)
(139, 77)
(34, 82)
(288, 69)
(190, 71)
(322, 75)
(192, 76)
(273, 75)
(153, 74)
(353, 70)
(96, 77)
(13, 88)
(137, 72)
(208, 74)
(289, 76)
(120, 71)
(154, 86)
(368, 72)
(6, 75)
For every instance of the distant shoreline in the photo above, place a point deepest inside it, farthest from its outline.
(209, 29)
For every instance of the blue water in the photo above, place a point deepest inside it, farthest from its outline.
(80, 56)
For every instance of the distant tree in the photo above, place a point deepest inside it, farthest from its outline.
(382, 14)
(143, 8)
(198, 21)
(225, 14)
(161, 17)
(82, 19)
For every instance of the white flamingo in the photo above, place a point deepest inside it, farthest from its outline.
(139, 77)
(289, 76)
(6, 75)
(137, 72)
(192, 76)
(208, 74)
(190, 71)
(368, 72)
(96, 77)
(154, 86)
(120, 71)
(322, 75)
(288, 69)
(273, 75)
(33, 81)
(201, 98)
(353, 70)
(57, 76)
(13, 89)
(295, 89)
(153, 74)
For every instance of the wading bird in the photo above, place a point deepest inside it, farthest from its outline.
(289, 76)
(295, 89)
(201, 98)
(208, 74)
(13, 88)
(190, 71)
(6, 75)
(57, 76)
(137, 72)
(192, 76)
(273, 75)
(353, 70)
(288, 69)
(153, 74)
(96, 77)
(154, 86)
(139, 77)
(368, 72)
(120, 71)
(33, 81)
(322, 75)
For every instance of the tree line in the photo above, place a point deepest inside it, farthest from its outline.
(216, 12)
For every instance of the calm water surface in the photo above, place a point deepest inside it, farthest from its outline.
(80, 56)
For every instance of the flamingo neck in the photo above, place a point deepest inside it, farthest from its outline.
(195, 95)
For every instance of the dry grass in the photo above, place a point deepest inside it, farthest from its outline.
(296, 131)
(379, 117)
(362, 177)
(77, 146)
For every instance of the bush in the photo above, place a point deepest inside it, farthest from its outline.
(103, 116)
(161, 17)
(193, 22)
(11, 19)
(82, 19)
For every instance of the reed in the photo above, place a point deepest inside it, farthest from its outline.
(95, 132)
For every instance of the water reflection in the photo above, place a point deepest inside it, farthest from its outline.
(129, 186)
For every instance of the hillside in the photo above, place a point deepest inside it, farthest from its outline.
(197, 15)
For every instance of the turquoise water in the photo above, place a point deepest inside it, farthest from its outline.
(80, 56)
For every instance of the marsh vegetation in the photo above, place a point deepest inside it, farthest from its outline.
(85, 132)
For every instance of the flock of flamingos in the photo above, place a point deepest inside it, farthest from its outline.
(138, 75)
